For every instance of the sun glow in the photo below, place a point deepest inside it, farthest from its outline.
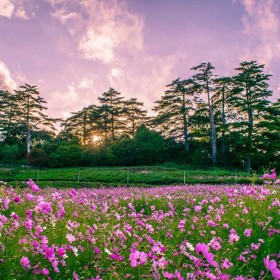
(96, 139)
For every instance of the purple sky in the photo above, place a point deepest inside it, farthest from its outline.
(74, 50)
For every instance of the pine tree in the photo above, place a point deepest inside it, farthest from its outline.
(112, 118)
(32, 112)
(135, 116)
(222, 108)
(204, 80)
(83, 124)
(249, 96)
(174, 109)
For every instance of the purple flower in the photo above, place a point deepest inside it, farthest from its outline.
(45, 271)
(248, 232)
(32, 185)
(204, 249)
(272, 266)
(24, 261)
(137, 258)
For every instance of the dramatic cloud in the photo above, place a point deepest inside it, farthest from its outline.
(97, 47)
(262, 25)
(6, 81)
(6, 8)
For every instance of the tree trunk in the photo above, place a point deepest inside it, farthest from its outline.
(28, 142)
(248, 163)
(223, 148)
(186, 135)
(212, 128)
(213, 136)
(84, 129)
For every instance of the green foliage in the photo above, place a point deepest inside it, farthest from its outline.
(37, 157)
(150, 147)
(9, 154)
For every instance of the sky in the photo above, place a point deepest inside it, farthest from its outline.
(74, 50)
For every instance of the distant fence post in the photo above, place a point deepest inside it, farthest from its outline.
(79, 176)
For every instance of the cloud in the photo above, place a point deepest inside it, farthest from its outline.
(20, 13)
(96, 46)
(6, 81)
(14, 9)
(262, 29)
(106, 29)
(6, 8)
(85, 83)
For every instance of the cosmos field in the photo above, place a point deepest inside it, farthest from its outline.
(171, 232)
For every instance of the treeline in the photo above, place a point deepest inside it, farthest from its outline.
(200, 120)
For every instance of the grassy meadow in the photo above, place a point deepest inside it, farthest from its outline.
(200, 231)
(129, 176)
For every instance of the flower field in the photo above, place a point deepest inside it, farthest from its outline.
(174, 232)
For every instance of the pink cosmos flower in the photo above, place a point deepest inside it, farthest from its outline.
(204, 249)
(6, 203)
(216, 245)
(248, 232)
(70, 237)
(24, 261)
(272, 266)
(96, 250)
(137, 258)
(75, 276)
(226, 264)
(29, 196)
(45, 271)
(32, 185)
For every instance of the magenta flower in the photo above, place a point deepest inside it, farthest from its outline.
(204, 249)
(137, 258)
(248, 232)
(6, 203)
(61, 252)
(96, 250)
(45, 271)
(24, 261)
(32, 185)
(272, 266)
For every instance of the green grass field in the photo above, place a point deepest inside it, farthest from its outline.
(129, 176)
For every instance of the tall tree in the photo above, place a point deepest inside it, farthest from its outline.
(112, 118)
(269, 135)
(204, 80)
(222, 88)
(174, 109)
(83, 124)
(32, 114)
(134, 114)
(249, 95)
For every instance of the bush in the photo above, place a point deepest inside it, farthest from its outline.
(37, 157)
(9, 154)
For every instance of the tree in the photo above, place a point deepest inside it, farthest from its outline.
(10, 128)
(249, 95)
(221, 105)
(174, 109)
(31, 114)
(83, 124)
(111, 114)
(135, 116)
(204, 80)
(268, 142)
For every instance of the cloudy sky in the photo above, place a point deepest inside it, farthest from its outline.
(74, 50)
